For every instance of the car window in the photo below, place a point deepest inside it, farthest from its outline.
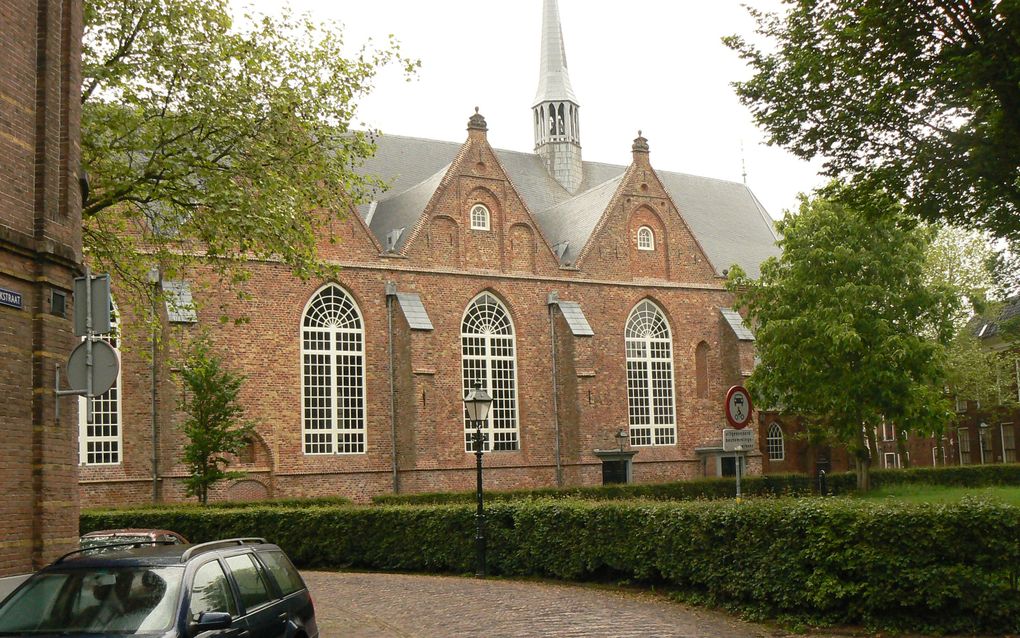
(211, 592)
(95, 600)
(286, 577)
(251, 582)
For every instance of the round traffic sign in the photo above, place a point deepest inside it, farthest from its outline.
(738, 407)
(105, 367)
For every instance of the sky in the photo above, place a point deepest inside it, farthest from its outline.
(657, 66)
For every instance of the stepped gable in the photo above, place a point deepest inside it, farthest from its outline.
(725, 217)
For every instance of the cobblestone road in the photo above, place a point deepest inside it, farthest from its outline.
(355, 605)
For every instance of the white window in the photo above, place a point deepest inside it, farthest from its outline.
(888, 431)
(488, 356)
(1008, 442)
(479, 217)
(650, 403)
(964, 442)
(99, 442)
(776, 444)
(645, 238)
(333, 374)
(892, 459)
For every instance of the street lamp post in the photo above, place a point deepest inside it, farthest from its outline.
(477, 403)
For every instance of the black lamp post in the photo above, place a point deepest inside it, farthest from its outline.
(477, 403)
(621, 437)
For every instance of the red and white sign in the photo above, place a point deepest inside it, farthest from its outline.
(738, 407)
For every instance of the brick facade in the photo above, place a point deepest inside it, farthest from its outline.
(448, 264)
(40, 247)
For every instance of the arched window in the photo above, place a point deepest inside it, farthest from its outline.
(488, 355)
(774, 442)
(650, 377)
(99, 442)
(645, 238)
(701, 369)
(333, 374)
(479, 217)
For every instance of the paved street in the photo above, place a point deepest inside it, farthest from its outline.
(357, 605)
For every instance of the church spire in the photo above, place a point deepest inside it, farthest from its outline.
(557, 126)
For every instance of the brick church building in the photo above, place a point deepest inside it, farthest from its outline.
(587, 298)
(40, 253)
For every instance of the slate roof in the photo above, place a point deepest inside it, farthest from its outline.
(985, 328)
(737, 324)
(575, 318)
(414, 311)
(725, 217)
(180, 306)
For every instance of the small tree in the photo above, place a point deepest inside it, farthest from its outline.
(213, 426)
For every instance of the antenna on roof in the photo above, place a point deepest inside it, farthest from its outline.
(743, 164)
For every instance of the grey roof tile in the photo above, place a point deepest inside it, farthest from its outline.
(414, 311)
(737, 324)
(575, 318)
(725, 217)
(180, 306)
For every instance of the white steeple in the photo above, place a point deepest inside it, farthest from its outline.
(555, 113)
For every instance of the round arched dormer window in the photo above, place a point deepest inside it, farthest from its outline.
(645, 238)
(479, 217)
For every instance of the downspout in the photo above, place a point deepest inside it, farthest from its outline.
(391, 294)
(154, 280)
(551, 302)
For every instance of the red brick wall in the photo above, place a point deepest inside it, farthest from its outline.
(40, 244)
(521, 272)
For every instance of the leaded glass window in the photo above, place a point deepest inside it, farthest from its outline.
(99, 442)
(333, 374)
(479, 217)
(645, 238)
(775, 443)
(650, 399)
(488, 355)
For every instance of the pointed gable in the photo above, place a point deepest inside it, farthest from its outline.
(641, 235)
(436, 216)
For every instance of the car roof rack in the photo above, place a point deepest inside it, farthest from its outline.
(125, 544)
(226, 542)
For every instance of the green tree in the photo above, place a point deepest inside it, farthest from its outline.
(211, 141)
(919, 98)
(213, 426)
(848, 331)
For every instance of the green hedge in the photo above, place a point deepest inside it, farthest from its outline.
(715, 488)
(839, 561)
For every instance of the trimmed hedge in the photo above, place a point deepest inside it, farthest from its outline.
(318, 501)
(836, 561)
(716, 488)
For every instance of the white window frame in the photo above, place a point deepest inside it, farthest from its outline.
(963, 444)
(891, 456)
(1007, 452)
(488, 343)
(888, 431)
(326, 426)
(480, 217)
(645, 238)
(105, 407)
(775, 442)
(651, 401)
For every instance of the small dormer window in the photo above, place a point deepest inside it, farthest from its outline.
(479, 217)
(645, 238)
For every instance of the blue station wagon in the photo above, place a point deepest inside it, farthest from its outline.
(241, 587)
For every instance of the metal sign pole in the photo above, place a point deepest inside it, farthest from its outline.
(88, 346)
(740, 457)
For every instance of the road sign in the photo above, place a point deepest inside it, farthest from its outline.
(97, 288)
(737, 440)
(738, 407)
(105, 367)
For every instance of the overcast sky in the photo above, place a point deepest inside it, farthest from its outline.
(653, 65)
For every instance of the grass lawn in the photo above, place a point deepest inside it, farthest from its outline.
(1009, 494)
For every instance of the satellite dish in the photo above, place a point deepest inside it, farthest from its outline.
(105, 367)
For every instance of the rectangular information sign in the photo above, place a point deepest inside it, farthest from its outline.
(10, 298)
(738, 440)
